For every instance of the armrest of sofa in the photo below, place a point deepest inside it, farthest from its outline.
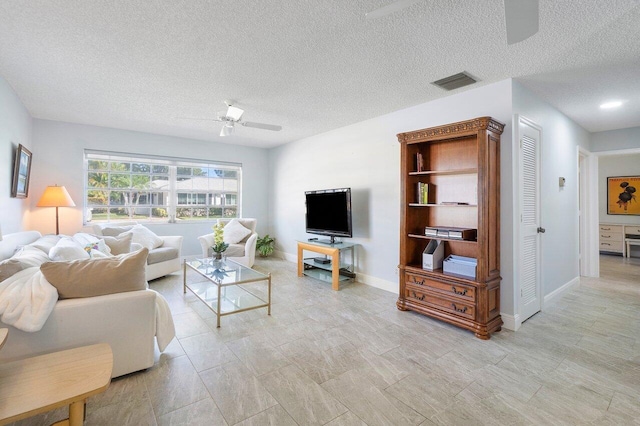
(206, 242)
(250, 248)
(174, 241)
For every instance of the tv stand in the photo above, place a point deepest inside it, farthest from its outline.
(333, 270)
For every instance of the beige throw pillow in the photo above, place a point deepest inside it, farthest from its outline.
(114, 231)
(118, 245)
(9, 267)
(96, 277)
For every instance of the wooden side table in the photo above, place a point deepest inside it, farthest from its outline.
(35, 385)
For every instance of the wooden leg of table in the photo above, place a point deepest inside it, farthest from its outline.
(76, 413)
(335, 270)
(299, 260)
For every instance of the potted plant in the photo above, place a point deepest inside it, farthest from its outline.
(265, 245)
(219, 245)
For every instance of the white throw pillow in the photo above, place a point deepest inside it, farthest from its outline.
(144, 236)
(87, 239)
(234, 232)
(68, 249)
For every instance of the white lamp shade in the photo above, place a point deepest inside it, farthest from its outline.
(55, 196)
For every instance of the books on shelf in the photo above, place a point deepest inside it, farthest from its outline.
(467, 234)
(419, 162)
(425, 193)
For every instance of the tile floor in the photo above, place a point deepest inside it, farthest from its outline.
(351, 358)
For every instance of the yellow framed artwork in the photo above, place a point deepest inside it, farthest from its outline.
(621, 195)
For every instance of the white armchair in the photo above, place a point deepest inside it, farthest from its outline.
(243, 252)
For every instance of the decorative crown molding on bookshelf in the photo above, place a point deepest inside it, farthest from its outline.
(471, 126)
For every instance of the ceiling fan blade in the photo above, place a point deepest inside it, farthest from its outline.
(194, 118)
(262, 126)
(521, 17)
(390, 8)
(234, 113)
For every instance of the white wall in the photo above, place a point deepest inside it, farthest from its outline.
(58, 159)
(616, 165)
(365, 157)
(560, 139)
(616, 139)
(15, 129)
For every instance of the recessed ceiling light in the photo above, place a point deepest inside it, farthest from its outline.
(612, 104)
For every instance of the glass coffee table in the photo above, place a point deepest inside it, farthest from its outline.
(224, 289)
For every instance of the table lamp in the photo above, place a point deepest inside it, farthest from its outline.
(56, 196)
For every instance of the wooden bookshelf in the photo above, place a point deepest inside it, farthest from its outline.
(461, 164)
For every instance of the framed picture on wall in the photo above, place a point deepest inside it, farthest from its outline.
(21, 172)
(621, 195)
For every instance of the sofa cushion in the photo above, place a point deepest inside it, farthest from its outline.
(30, 256)
(145, 237)
(234, 232)
(117, 245)
(96, 277)
(162, 254)
(234, 250)
(68, 249)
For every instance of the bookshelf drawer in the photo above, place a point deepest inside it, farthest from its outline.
(611, 229)
(456, 307)
(460, 291)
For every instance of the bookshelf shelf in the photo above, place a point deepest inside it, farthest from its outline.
(445, 172)
(441, 205)
(458, 162)
(457, 240)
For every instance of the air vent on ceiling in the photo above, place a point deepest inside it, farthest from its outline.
(455, 81)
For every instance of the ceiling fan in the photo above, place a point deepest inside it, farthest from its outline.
(521, 16)
(233, 116)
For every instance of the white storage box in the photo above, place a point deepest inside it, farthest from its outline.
(433, 255)
(461, 266)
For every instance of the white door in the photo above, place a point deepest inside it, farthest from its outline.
(529, 136)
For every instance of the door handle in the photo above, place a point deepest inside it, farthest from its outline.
(541, 230)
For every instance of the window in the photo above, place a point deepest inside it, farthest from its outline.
(149, 188)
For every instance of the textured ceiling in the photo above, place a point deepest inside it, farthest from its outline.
(308, 65)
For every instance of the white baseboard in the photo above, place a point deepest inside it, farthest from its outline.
(286, 256)
(378, 283)
(558, 292)
(511, 322)
(361, 278)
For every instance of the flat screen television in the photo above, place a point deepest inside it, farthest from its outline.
(329, 212)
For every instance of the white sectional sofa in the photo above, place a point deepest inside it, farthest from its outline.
(126, 321)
